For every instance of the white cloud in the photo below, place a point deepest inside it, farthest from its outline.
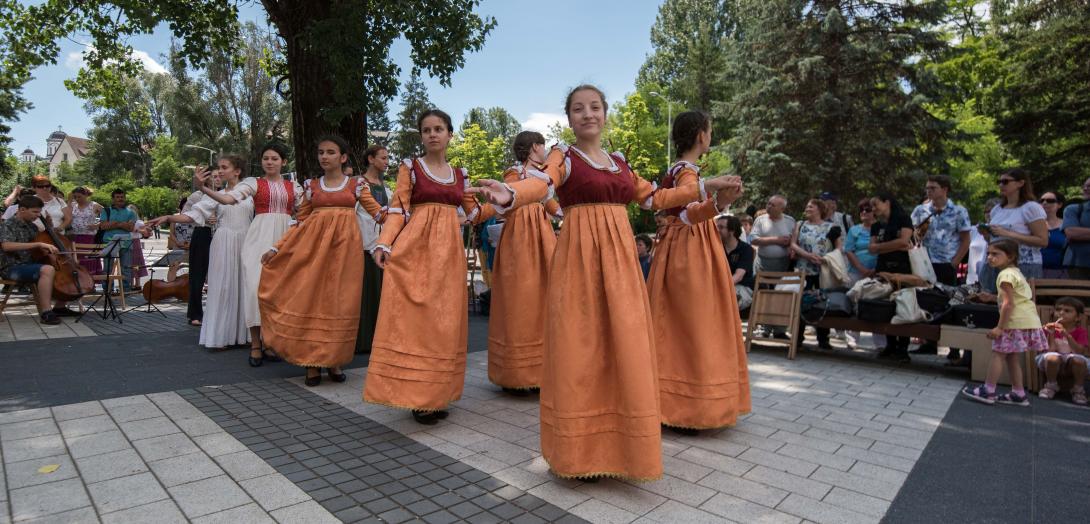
(541, 122)
(74, 61)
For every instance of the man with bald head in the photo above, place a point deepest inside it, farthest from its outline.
(771, 235)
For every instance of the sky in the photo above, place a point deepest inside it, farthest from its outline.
(536, 53)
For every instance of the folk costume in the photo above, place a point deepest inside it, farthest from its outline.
(418, 357)
(599, 386)
(225, 319)
(274, 203)
(309, 292)
(372, 274)
(520, 274)
(703, 379)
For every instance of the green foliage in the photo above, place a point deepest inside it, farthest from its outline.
(482, 156)
(154, 201)
(414, 101)
(166, 168)
(496, 122)
(124, 182)
(633, 131)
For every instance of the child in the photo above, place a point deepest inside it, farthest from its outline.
(1067, 349)
(1019, 327)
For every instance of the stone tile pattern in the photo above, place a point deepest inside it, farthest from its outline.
(828, 441)
(21, 322)
(151, 458)
(358, 469)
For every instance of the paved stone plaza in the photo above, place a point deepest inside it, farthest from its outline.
(183, 435)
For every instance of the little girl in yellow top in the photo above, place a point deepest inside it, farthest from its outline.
(1019, 328)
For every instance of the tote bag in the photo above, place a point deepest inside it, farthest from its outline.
(921, 262)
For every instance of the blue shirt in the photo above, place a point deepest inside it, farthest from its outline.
(858, 242)
(1052, 256)
(112, 214)
(1078, 253)
(944, 231)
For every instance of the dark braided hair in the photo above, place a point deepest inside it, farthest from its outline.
(371, 151)
(436, 113)
(524, 142)
(687, 126)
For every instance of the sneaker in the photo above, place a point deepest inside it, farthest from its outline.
(1012, 399)
(1078, 396)
(49, 317)
(979, 394)
(1048, 390)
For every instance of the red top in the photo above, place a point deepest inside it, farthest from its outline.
(428, 191)
(274, 198)
(344, 197)
(668, 182)
(587, 184)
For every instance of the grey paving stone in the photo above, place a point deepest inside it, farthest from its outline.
(96, 444)
(597, 511)
(81, 410)
(87, 425)
(76, 516)
(166, 446)
(245, 465)
(273, 491)
(735, 509)
(186, 468)
(310, 512)
(111, 465)
(24, 415)
(396, 516)
(126, 492)
(746, 489)
(32, 448)
(820, 512)
(208, 496)
(28, 429)
(352, 514)
(337, 504)
(857, 502)
(47, 499)
(161, 512)
(216, 444)
(147, 428)
(26, 473)
(248, 514)
(135, 411)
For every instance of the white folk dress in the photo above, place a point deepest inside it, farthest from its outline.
(224, 317)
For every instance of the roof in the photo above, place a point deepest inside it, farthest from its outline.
(28, 151)
(79, 145)
(58, 134)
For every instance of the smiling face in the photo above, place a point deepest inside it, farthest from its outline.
(271, 162)
(435, 134)
(330, 156)
(587, 114)
(812, 212)
(880, 207)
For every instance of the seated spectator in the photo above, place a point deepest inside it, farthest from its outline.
(644, 243)
(1067, 351)
(1052, 255)
(1076, 226)
(739, 257)
(16, 242)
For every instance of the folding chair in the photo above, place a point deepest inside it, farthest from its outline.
(777, 300)
(9, 287)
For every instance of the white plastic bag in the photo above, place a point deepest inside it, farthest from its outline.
(908, 309)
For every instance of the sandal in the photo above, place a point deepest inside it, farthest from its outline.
(1012, 399)
(979, 394)
(1078, 396)
(255, 362)
(1049, 390)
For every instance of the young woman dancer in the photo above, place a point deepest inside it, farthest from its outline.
(599, 388)
(516, 334)
(376, 159)
(274, 200)
(312, 280)
(225, 321)
(703, 380)
(418, 358)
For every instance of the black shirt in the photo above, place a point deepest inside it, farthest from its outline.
(741, 258)
(895, 261)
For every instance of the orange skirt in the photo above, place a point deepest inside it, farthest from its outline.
(520, 274)
(418, 357)
(703, 380)
(309, 293)
(599, 387)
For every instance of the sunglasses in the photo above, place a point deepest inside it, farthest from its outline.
(866, 209)
(1005, 181)
(1049, 201)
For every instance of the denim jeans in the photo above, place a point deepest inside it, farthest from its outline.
(125, 259)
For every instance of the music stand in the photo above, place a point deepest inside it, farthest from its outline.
(109, 254)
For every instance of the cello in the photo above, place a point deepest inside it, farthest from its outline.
(71, 280)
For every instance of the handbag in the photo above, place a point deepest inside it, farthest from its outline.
(826, 304)
(870, 288)
(921, 263)
(933, 301)
(907, 309)
(834, 272)
(879, 311)
(975, 315)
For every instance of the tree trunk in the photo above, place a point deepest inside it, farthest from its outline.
(310, 86)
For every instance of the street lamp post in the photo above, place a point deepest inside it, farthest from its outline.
(669, 122)
(210, 152)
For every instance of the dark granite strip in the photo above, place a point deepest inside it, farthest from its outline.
(358, 469)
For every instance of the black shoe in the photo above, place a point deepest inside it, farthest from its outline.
(825, 345)
(781, 335)
(50, 318)
(64, 312)
(893, 355)
(271, 356)
(442, 414)
(688, 432)
(589, 480)
(516, 392)
(313, 381)
(255, 362)
(336, 377)
(427, 418)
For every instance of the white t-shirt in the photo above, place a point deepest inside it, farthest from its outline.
(1017, 219)
(54, 208)
(765, 227)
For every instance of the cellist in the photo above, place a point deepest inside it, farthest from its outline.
(16, 242)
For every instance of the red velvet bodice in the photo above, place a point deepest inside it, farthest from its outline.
(428, 191)
(588, 185)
